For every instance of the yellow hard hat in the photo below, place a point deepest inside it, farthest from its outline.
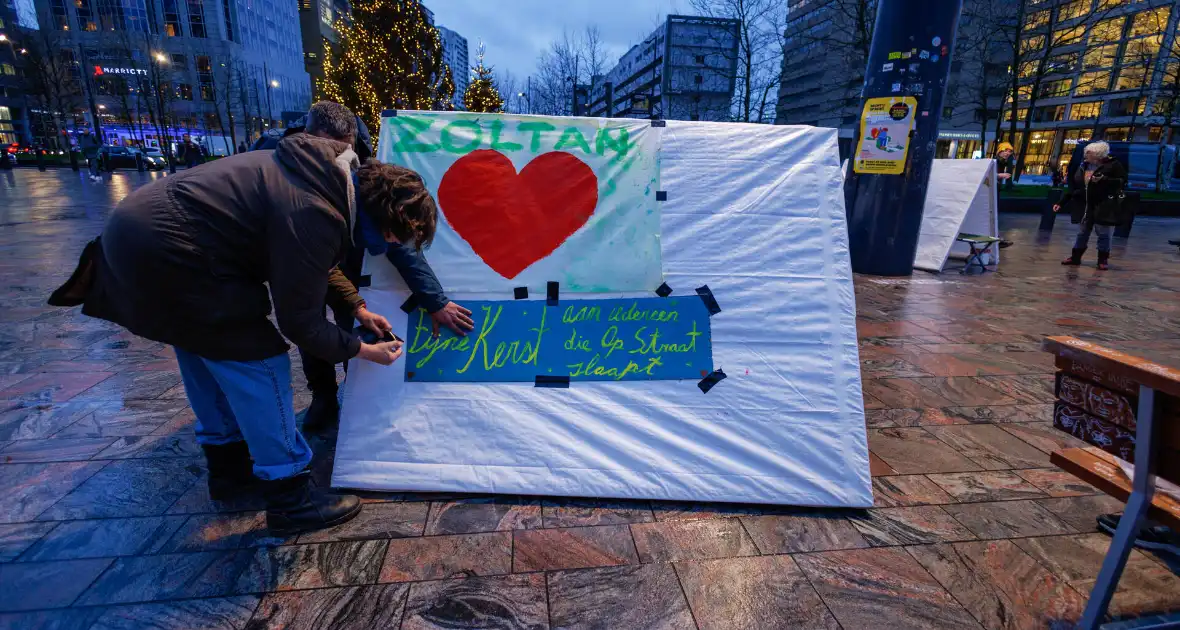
(1004, 146)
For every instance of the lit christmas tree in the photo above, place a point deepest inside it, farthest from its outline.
(391, 57)
(481, 94)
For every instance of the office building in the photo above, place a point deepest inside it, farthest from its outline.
(239, 60)
(455, 56)
(317, 23)
(684, 70)
(13, 105)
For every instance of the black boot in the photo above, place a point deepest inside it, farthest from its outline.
(1103, 260)
(323, 413)
(231, 470)
(1075, 258)
(294, 505)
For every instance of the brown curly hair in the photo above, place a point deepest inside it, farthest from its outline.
(397, 201)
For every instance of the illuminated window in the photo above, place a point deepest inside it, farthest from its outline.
(1107, 30)
(1061, 63)
(7, 69)
(1126, 107)
(1071, 10)
(1153, 22)
(1085, 111)
(1116, 134)
(1051, 113)
(1068, 36)
(1093, 83)
(1028, 68)
(1036, 20)
(1052, 89)
(1110, 4)
(1131, 78)
(1101, 57)
(1142, 48)
(1021, 114)
(1028, 44)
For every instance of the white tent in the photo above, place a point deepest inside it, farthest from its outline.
(961, 198)
(756, 212)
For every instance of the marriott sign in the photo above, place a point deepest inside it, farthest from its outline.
(101, 70)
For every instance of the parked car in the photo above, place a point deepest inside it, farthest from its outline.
(153, 160)
(112, 157)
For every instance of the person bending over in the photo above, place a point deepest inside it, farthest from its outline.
(187, 261)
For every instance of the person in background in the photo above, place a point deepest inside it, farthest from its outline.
(194, 260)
(242, 146)
(190, 152)
(1094, 199)
(324, 410)
(1005, 168)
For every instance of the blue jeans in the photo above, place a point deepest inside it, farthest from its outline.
(1083, 238)
(250, 400)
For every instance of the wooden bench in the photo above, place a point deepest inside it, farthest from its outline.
(975, 241)
(1129, 408)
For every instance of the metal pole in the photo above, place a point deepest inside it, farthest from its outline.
(905, 82)
(270, 111)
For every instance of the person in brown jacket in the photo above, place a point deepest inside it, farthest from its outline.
(188, 260)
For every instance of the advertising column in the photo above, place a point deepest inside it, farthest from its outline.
(905, 82)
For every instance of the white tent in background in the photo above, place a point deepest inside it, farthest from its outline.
(961, 198)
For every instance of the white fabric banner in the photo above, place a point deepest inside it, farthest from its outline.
(525, 200)
(961, 197)
(756, 212)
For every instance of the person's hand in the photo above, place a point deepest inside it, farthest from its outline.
(381, 353)
(1003, 175)
(1056, 208)
(373, 321)
(453, 316)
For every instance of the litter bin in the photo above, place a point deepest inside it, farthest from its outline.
(1130, 207)
(1048, 217)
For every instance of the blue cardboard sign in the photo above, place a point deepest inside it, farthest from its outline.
(586, 340)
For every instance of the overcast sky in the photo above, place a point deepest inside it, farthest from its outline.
(516, 31)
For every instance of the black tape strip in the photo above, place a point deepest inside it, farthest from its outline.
(388, 113)
(659, 123)
(520, 293)
(551, 293)
(709, 300)
(661, 195)
(411, 304)
(364, 281)
(544, 380)
(709, 381)
(664, 290)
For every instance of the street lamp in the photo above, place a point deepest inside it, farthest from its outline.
(274, 83)
(24, 51)
(160, 57)
(3, 37)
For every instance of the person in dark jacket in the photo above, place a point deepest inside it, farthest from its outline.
(190, 152)
(1094, 199)
(187, 261)
(324, 410)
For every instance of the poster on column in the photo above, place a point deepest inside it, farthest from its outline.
(885, 126)
(525, 200)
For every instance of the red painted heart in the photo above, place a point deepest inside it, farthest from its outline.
(513, 220)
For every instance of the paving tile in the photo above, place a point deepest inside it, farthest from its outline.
(692, 540)
(52, 387)
(1081, 513)
(965, 391)
(104, 538)
(210, 532)
(1008, 519)
(55, 619)
(903, 393)
(1001, 414)
(224, 613)
(138, 487)
(469, 516)
(686, 511)
(53, 450)
(1030, 389)
(906, 490)
(1000, 585)
(1146, 586)
(166, 577)
(152, 446)
(511, 602)
(878, 467)
(39, 420)
(572, 548)
(986, 486)
(313, 566)
(803, 530)
(17, 537)
(869, 588)
(645, 597)
(586, 512)
(27, 490)
(34, 585)
(1042, 436)
(765, 592)
(376, 520)
(132, 385)
(990, 446)
(916, 450)
(442, 557)
(1056, 482)
(884, 527)
(126, 418)
(351, 608)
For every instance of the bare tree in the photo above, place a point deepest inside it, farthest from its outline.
(506, 83)
(841, 31)
(552, 83)
(757, 68)
(1141, 57)
(222, 84)
(52, 79)
(986, 32)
